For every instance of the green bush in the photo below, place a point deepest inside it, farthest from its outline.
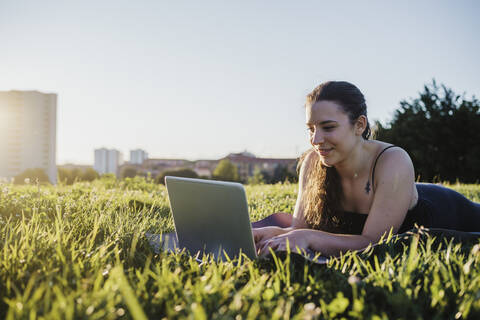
(70, 176)
(226, 171)
(36, 175)
(128, 172)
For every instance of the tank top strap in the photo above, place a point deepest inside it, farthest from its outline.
(375, 164)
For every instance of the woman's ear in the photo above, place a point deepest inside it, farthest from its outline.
(360, 125)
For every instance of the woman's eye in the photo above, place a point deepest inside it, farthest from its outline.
(328, 128)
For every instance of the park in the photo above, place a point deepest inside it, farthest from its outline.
(80, 250)
(258, 93)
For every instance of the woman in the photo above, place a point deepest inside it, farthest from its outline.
(353, 190)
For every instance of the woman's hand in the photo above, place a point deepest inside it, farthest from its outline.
(298, 241)
(265, 233)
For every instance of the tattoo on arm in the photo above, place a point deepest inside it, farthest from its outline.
(367, 187)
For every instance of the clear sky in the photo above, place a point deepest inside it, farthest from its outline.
(201, 79)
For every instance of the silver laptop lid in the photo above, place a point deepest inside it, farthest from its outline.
(211, 216)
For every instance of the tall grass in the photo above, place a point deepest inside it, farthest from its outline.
(81, 252)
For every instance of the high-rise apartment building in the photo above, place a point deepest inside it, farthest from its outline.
(28, 124)
(107, 160)
(138, 156)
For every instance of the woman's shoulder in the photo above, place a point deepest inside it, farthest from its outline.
(306, 159)
(306, 164)
(390, 158)
(383, 150)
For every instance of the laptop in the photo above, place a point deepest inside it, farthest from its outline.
(211, 217)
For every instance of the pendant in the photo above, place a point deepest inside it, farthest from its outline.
(367, 187)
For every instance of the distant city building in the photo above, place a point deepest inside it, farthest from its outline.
(167, 163)
(28, 125)
(205, 167)
(138, 156)
(107, 161)
(246, 163)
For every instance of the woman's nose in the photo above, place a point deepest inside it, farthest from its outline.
(317, 137)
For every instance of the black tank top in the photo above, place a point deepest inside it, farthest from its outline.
(350, 222)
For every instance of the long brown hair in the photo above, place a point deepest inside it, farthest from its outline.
(322, 194)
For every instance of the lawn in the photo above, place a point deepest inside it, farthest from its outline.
(81, 252)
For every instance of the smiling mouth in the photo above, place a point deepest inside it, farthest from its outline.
(324, 151)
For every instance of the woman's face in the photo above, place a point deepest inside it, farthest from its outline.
(331, 133)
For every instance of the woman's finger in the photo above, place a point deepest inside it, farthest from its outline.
(264, 248)
(265, 245)
(280, 247)
(256, 235)
(262, 251)
(275, 244)
(259, 245)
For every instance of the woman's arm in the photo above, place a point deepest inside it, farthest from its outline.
(328, 244)
(394, 187)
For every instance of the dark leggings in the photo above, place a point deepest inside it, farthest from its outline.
(441, 207)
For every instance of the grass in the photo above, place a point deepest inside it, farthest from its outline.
(80, 252)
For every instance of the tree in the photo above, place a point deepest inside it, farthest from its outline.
(70, 176)
(282, 174)
(257, 177)
(128, 172)
(64, 176)
(90, 174)
(184, 172)
(31, 176)
(440, 131)
(226, 171)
